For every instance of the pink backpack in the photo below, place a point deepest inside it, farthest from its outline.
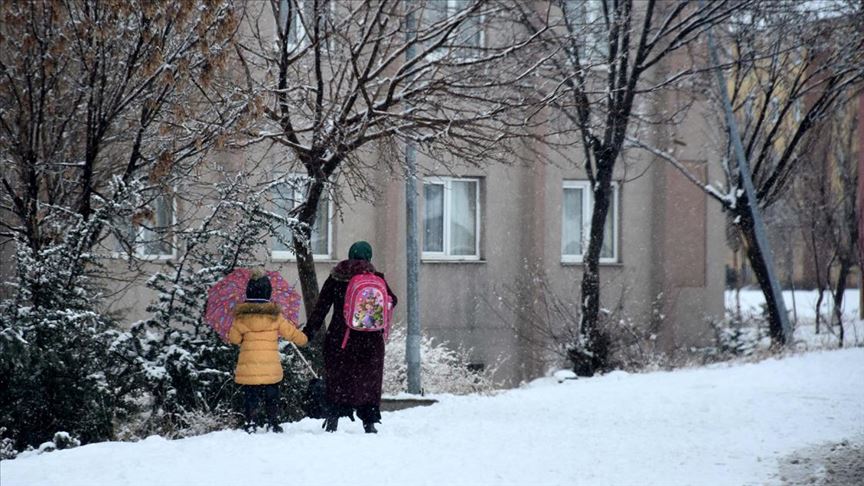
(368, 305)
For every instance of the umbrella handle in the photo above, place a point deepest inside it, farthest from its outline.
(304, 359)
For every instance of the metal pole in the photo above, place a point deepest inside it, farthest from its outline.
(744, 169)
(412, 351)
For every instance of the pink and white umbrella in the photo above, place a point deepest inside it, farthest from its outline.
(224, 296)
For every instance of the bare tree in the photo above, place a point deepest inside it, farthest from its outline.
(547, 322)
(825, 193)
(788, 68)
(102, 105)
(336, 83)
(606, 55)
(97, 95)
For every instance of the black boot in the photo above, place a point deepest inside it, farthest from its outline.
(330, 424)
(251, 398)
(369, 428)
(271, 405)
(252, 423)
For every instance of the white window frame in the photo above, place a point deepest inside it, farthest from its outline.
(453, 8)
(593, 12)
(139, 246)
(445, 254)
(302, 37)
(587, 210)
(285, 255)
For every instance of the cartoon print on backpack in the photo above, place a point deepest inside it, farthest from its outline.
(370, 313)
(368, 305)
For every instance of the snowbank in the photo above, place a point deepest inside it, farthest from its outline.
(800, 303)
(801, 306)
(717, 425)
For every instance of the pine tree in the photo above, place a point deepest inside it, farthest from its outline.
(58, 366)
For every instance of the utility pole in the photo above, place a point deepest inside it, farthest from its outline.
(747, 181)
(412, 351)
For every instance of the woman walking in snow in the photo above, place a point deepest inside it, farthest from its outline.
(353, 368)
(258, 323)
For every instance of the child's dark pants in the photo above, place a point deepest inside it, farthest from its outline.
(252, 396)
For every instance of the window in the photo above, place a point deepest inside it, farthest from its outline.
(150, 234)
(470, 33)
(288, 196)
(301, 14)
(577, 206)
(154, 238)
(774, 110)
(451, 219)
(586, 21)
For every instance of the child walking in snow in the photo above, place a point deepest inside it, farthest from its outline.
(258, 323)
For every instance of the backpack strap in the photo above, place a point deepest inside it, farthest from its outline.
(345, 339)
(388, 316)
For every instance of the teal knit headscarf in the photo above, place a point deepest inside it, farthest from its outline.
(360, 250)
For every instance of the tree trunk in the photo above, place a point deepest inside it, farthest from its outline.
(791, 276)
(839, 290)
(303, 251)
(738, 278)
(820, 296)
(860, 291)
(756, 257)
(306, 271)
(593, 343)
(814, 248)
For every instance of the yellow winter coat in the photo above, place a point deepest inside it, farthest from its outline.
(256, 329)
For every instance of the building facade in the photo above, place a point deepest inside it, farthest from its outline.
(483, 230)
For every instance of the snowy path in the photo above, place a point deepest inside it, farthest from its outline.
(717, 425)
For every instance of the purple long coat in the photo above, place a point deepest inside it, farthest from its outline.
(353, 375)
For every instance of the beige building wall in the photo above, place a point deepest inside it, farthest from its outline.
(670, 249)
(690, 242)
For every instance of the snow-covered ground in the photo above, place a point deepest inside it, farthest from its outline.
(802, 301)
(801, 306)
(724, 424)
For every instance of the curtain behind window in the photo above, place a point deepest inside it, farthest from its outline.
(155, 238)
(606, 251)
(433, 218)
(470, 33)
(286, 198)
(463, 217)
(571, 233)
(320, 234)
(284, 201)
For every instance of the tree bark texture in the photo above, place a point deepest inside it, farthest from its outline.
(302, 246)
(756, 257)
(839, 290)
(593, 342)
